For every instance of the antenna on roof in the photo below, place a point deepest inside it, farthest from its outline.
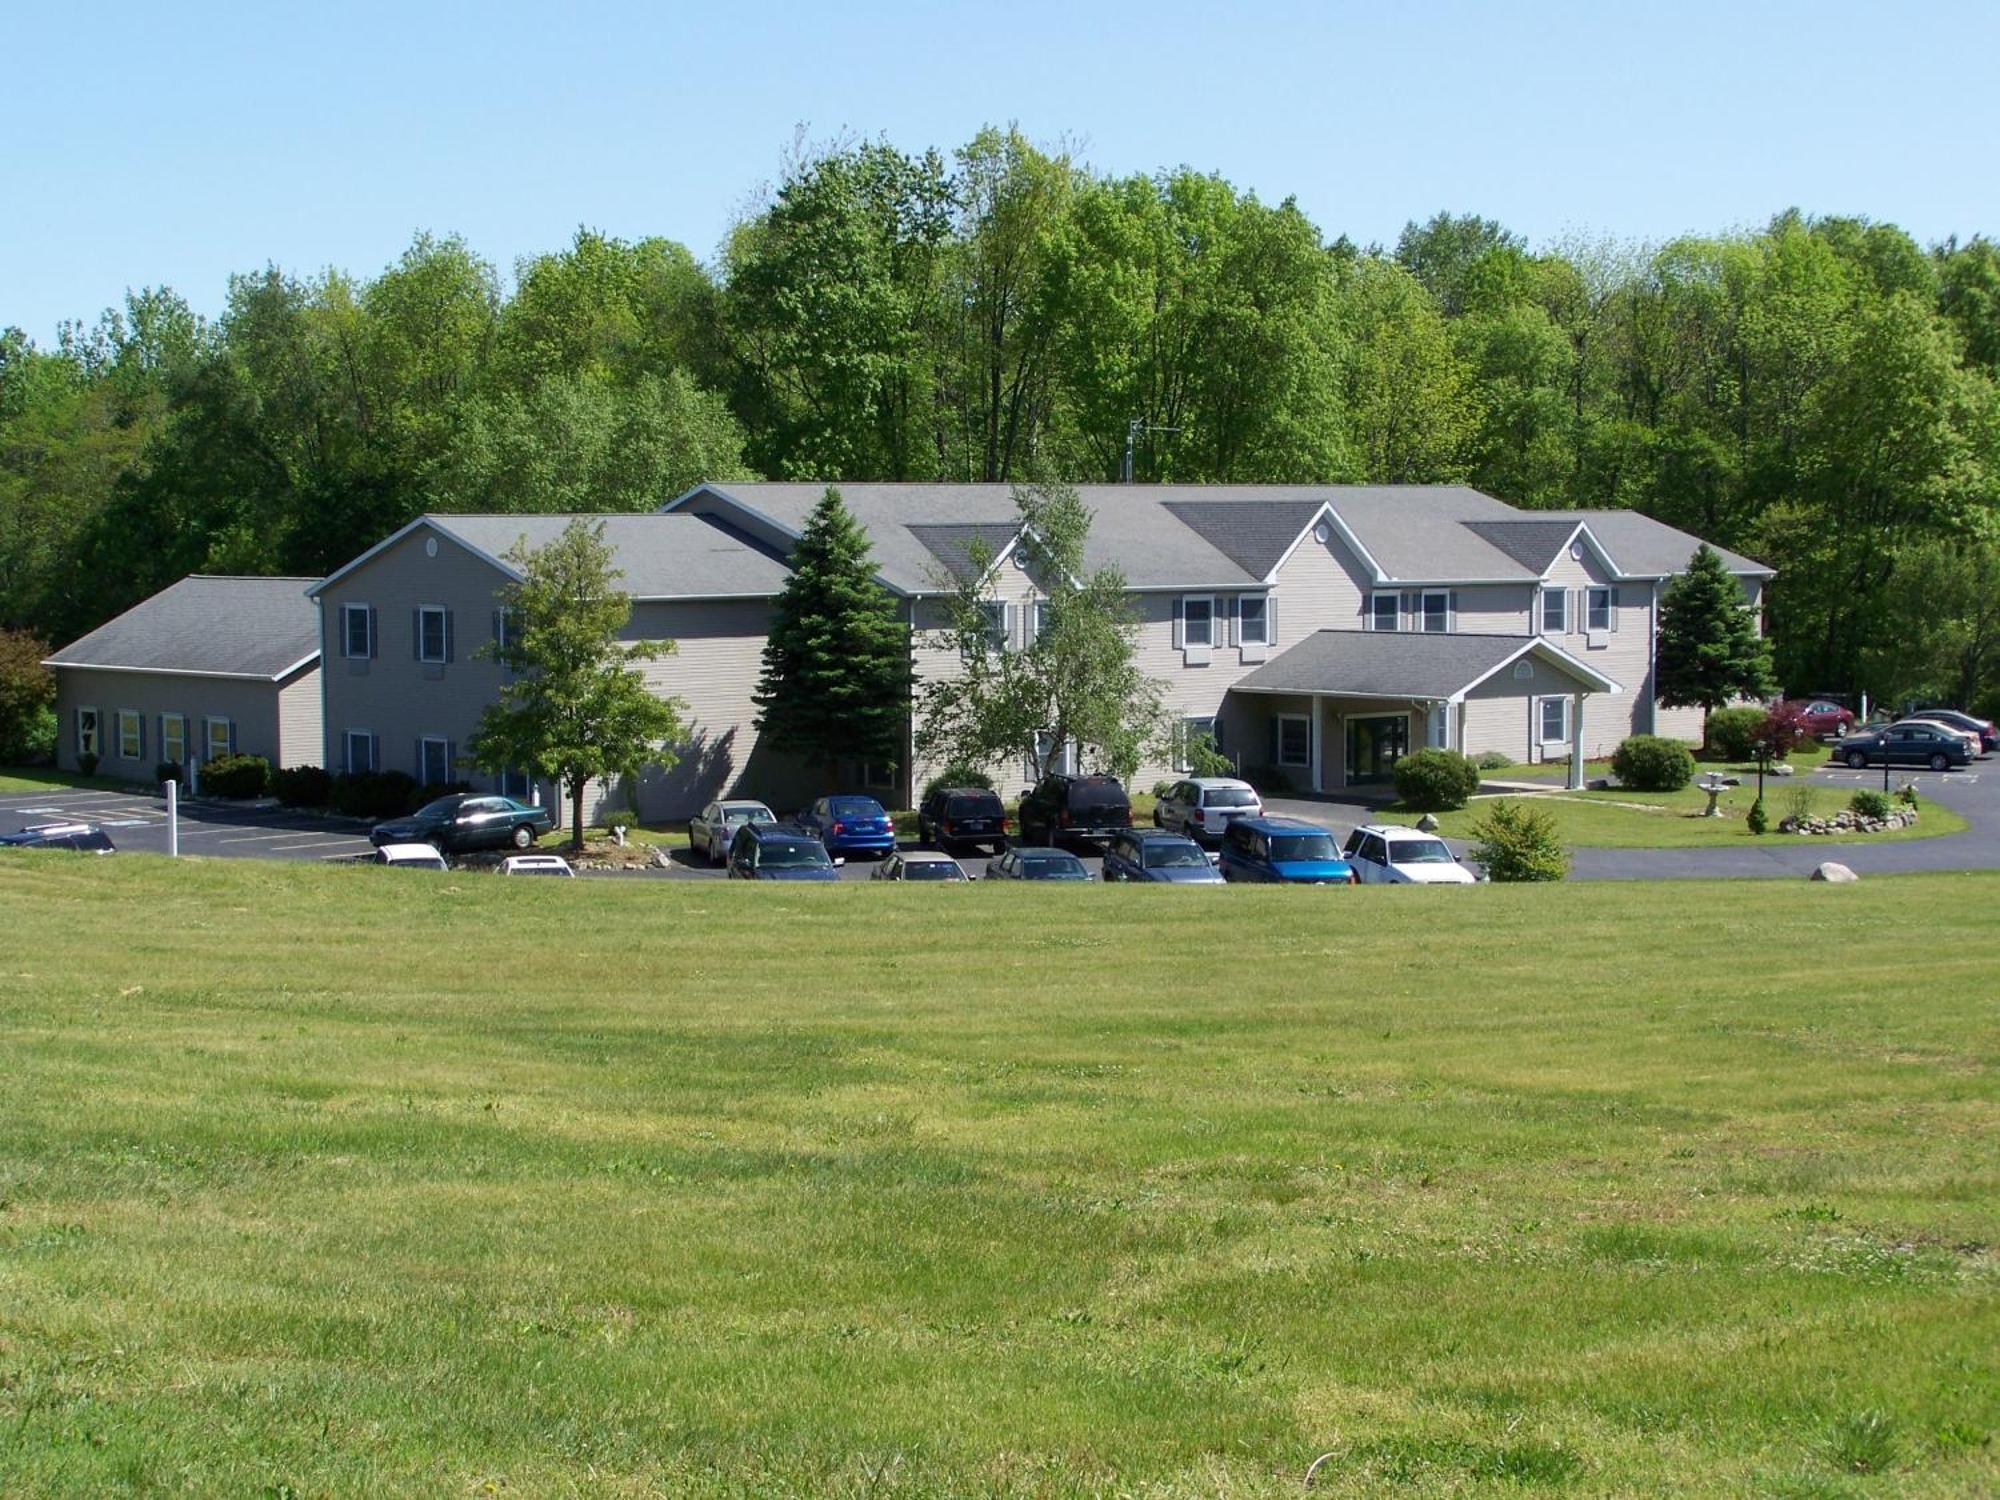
(1132, 430)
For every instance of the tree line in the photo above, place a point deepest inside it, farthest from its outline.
(1819, 393)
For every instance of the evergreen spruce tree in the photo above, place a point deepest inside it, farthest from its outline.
(1710, 653)
(836, 678)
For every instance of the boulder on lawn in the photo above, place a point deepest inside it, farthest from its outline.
(1781, 768)
(1834, 873)
(1427, 824)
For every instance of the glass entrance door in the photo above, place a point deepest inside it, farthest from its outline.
(1374, 745)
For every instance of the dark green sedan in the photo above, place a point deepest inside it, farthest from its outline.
(466, 821)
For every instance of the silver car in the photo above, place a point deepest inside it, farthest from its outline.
(711, 829)
(1203, 807)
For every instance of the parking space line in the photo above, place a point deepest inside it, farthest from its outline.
(258, 838)
(333, 843)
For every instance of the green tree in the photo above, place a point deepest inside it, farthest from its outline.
(27, 692)
(836, 676)
(578, 708)
(1442, 252)
(1710, 652)
(1076, 680)
(1941, 635)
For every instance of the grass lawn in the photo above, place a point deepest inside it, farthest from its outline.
(348, 1181)
(17, 779)
(1808, 757)
(1620, 819)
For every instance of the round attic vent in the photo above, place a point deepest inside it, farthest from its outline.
(1576, 551)
(1523, 670)
(430, 546)
(1021, 559)
(1322, 533)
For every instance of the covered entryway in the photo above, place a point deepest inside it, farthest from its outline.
(1341, 707)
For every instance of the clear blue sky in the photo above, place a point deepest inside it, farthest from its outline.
(175, 144)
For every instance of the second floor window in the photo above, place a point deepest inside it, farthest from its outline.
(1198, 621)
(1437, 611)
(1253, 620)
(433, 633)
(1384, 612)
(1597, 613)
(1555, 611)
(357, 630)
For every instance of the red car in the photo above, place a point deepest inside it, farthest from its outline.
(1823, 718)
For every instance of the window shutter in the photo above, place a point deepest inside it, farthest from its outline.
(1451, 612)
(1413, 609)
(1271, 620)
(448, 633)
(142, 736)
(371, 630)
(374, 752)
(450, 759)
(1230, 632)
(230, 724)
(498, 640)
(163, 735)
(1177, 623)
(1578, 604)
(1615, 600)
(416, 635)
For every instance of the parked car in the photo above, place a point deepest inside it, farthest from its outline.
(711, 829)
(850, 825)
(1906, 744)
(465, 821)
(86, 838)
(1822, 717)
(1024, 862)
(1951, 718)
(960, 815)
(537, 864)
(1203, 807)
(919, 864)
(1066, 809)
(1283, 851)
(410, 856)
(767, 851)
(1388, 854)
(1159, 857)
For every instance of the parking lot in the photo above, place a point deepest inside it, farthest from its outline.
(138, 821)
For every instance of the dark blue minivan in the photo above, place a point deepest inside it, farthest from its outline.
(769, 851)
(1283, 851)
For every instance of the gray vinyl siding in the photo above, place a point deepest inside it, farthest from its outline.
(270, 719)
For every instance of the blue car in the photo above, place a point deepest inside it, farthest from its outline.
(850, 825)
(1283, 851)
(1152, 854)
(767, 851)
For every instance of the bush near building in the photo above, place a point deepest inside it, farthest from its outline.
(1436, 780)
(1650, 763)
(1733, 733)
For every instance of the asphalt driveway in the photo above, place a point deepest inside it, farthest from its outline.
(137, 821)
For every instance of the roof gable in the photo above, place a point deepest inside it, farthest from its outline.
(1442, 667)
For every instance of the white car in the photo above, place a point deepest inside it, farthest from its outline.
(1203, 807)
(410, 857)
(918, 864)
(537, 864)
(1388, 854)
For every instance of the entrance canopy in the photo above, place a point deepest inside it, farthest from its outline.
(1404, 666)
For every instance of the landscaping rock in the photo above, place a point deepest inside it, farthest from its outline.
(1834, 874)
(1782, 769)
(1427, 823)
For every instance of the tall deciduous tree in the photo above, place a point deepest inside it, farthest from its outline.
(1077, 678)
(27, 691)
(1710, 652)
(578, 708)
(836, 678)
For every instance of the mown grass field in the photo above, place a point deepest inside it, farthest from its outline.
(352, 1181)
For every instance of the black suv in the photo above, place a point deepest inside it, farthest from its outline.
(962, 815)
(87, 837)
(1066, 809)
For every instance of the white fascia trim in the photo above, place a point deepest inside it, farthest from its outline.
(1336, 693)
(698, 598)
(1562, 658)
(94, 666)
(1327, 513)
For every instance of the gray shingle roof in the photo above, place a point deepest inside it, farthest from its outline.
(1645, 548)
(1390, 664)
(1253, 534)
(661, 556)
(208, 626)
(952, 545)
(1533, 544)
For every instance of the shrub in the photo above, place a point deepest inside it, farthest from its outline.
(31, 739)
(1785, 730)
(1161, 788)
(1867, 804)
(170, 770)
(303, 786)
(373, 794)
(1907, 794)
(618, 817)
(1648, 763)
(1435, 780)
(236, 776)
(86, 764)
(1756, 819)
(1733, 732)
(1798, 803)
(430, 791)
(1518, 843)
(1493, 760)
(1269, 780)
(952, 776)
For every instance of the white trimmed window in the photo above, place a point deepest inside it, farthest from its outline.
(1552, 720)
(1555, 611)
(1597, 610)
(433, 633)
(89, 737)
(433, 761)
(506, 629)
(1295, 739)
(357, 631)
(1437, 611)
(174, 739)
(218, 738)
(1253, 620)
(1190, 731)
(1385, 611)
(520, 786)
(131, 735)
(358, 753)
(995, 612)
(1198, 621)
